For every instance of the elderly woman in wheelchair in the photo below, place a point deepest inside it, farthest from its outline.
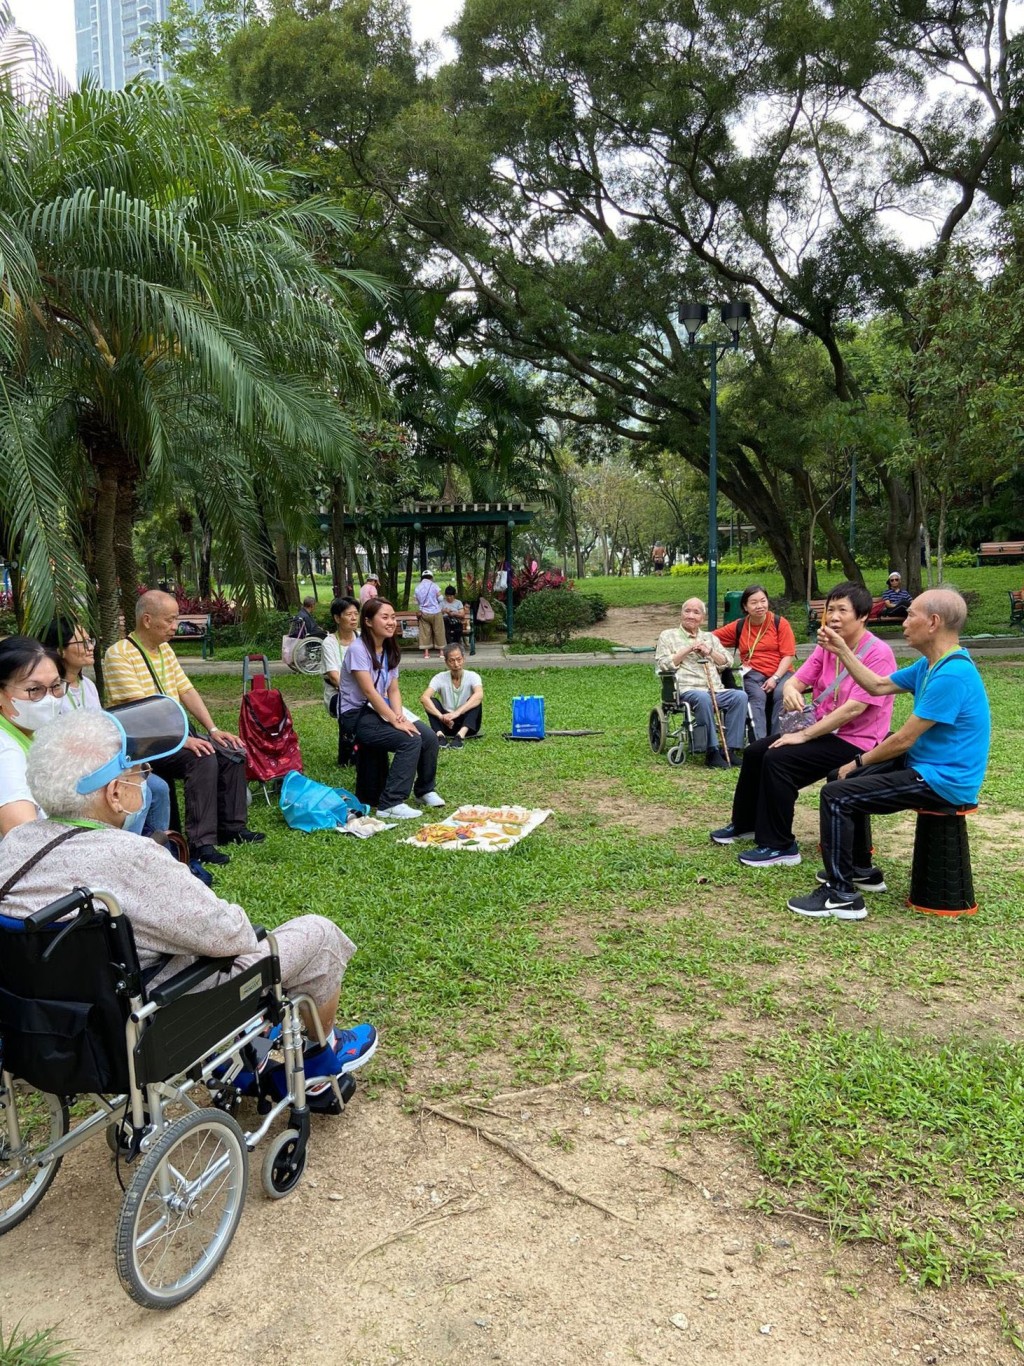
(143, 991)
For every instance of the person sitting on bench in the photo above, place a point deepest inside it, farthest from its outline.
(455, 700)
(936, 760)
(896, 598)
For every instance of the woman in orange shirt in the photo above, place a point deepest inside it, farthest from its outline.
(767, 649)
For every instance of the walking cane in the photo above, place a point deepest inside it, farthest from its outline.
(719, 724)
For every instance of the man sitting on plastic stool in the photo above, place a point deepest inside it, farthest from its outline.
(936, 759)
(87, 770)
(695, 657)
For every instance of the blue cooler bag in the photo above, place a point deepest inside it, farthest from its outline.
(528, 718)
(309, 805)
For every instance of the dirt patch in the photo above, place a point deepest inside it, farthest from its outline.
(636, 625)
(415, 1239)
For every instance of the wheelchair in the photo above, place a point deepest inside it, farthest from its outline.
(672, 730)
(82, 1036)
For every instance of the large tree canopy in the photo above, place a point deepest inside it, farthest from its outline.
(587, 164)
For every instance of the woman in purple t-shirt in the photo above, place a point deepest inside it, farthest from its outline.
(370, 710)
(847, 721)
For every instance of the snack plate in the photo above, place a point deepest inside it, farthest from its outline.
(486, 829)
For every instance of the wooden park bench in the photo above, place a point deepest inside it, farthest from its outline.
(1001, 550)
(1016, 607)
(409, 630)
(196, 627)
(887, 618)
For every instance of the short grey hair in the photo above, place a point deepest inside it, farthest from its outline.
(702, 603)
(65, 751)
(946, 604)
(149, 602)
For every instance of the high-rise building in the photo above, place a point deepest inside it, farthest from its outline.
(110, 37)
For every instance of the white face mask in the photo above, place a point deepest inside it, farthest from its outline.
(32, 715)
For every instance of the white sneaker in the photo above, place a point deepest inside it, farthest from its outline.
(432, 799)
(401, 812)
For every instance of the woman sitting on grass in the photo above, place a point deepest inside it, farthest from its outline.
(455, 700)
(370, 711)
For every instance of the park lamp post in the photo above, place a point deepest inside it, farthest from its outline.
(693, 316)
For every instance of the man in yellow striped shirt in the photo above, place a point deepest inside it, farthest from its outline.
(213, 773)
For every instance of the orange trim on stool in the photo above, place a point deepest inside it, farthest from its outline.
(930, 910)
(961, 811)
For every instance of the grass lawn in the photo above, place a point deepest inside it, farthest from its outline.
(991, 583)
(871, 1070)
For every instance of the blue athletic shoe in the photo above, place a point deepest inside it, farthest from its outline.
(768, 858)
(349, 1050)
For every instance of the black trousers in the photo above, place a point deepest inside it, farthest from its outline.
(415, 755)
(770, 780)
(215, 802)
(471, 719)
(847, 804)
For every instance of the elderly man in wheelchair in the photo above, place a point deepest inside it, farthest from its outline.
(158, 1000)
(715, 718)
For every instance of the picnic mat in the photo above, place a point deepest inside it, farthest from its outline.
(486, 828)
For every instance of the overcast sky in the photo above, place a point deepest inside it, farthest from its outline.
(53, 23)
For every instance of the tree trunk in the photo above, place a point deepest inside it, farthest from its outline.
(124, 551)
(105, 556)
(902, 530)
(204, 576)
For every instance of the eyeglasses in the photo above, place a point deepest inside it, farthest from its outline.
(83, 642)
(35, 692)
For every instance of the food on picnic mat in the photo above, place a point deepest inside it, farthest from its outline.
(435, 834)
(515, 816)
(479, 827)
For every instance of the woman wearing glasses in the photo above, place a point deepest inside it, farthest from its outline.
(32, 692)
(72, 643)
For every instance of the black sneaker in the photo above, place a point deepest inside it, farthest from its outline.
(729, 835)
(209, 853)
(455, 742)
(716, 759)
(872, 880)
(823, 902)
(243, 836)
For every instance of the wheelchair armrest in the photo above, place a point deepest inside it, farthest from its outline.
(260, 932)
(188, 979)
(78, 900)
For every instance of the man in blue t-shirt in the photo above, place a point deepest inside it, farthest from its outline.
(935, 760)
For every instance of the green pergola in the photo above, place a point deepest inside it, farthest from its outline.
(422, 518)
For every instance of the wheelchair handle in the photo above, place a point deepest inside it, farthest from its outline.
(80, 899)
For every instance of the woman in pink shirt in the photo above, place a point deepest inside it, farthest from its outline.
(846, 721)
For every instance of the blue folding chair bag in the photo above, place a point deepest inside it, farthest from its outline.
(309, 805)
(528, 718)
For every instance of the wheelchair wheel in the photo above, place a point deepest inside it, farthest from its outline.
(284, 1164)
(657, 730)
(182, 1208)
(677, 754)
(42, 1120)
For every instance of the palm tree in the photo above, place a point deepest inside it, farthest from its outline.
(164, 318)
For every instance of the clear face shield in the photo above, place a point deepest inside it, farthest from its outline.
(151, 728)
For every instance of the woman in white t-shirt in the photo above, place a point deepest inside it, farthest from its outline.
(31, 693)
(454, 700)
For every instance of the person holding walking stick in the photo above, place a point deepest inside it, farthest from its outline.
(695, 656)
